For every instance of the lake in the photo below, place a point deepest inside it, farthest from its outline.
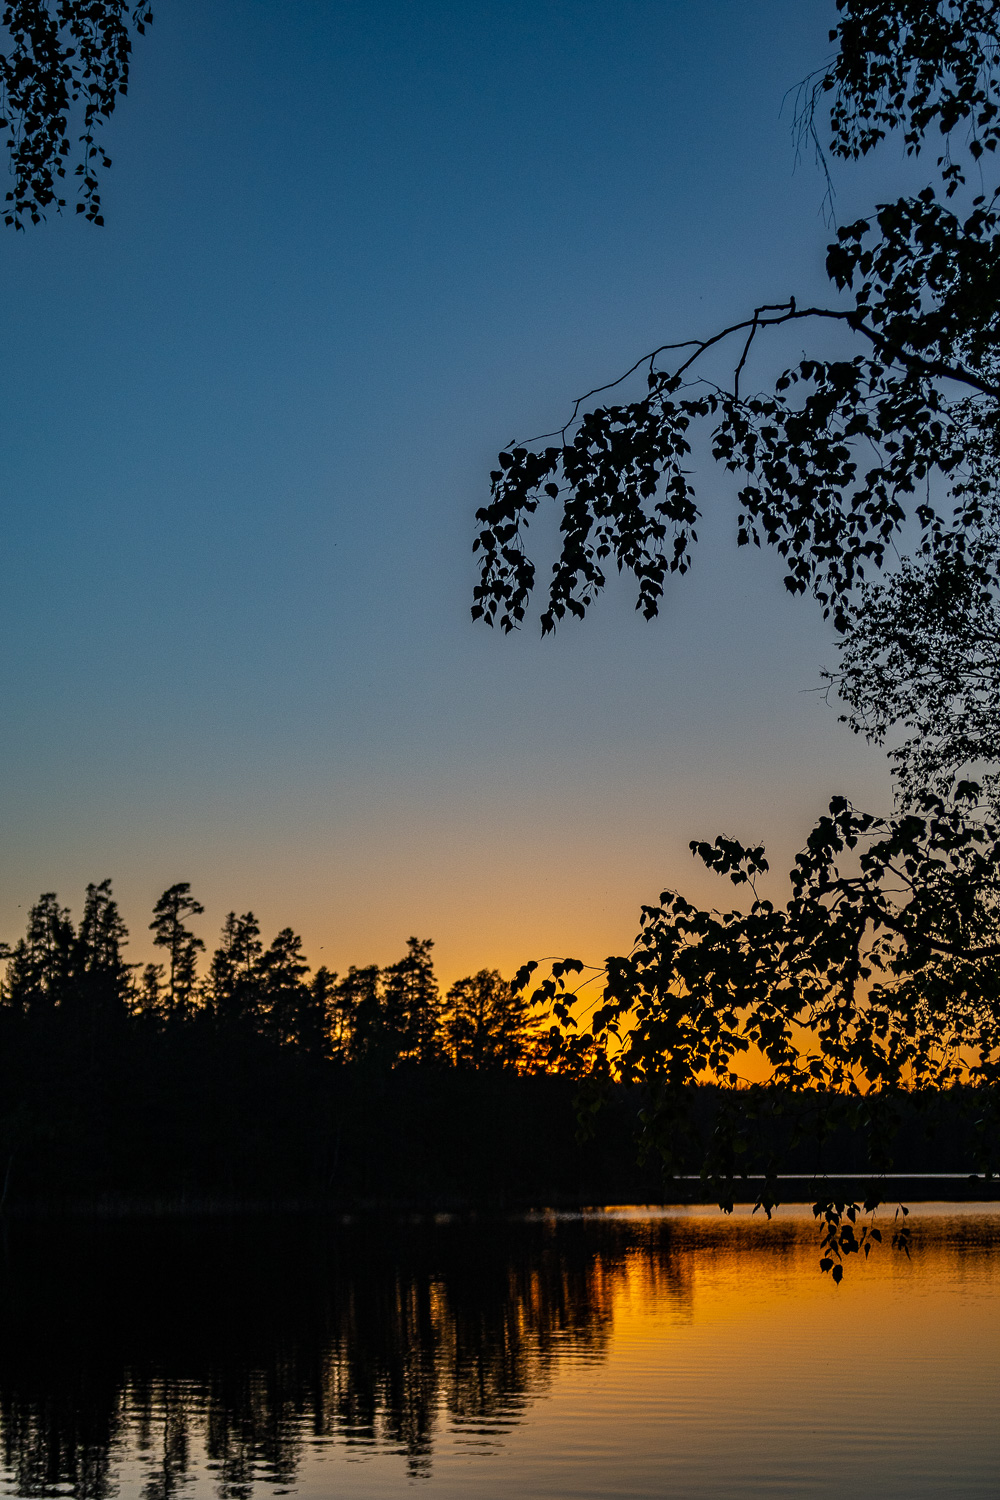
(628, 1352)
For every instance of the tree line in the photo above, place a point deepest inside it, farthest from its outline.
(389, 1015)
(241, 1078)
(244, 1078)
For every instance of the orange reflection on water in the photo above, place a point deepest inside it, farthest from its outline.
(627, 1352)
(736, 1368)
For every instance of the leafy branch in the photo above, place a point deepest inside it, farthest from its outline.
(67, 57)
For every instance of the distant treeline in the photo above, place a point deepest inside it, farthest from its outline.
(240, 1076)
(391, 1015)
(245, 1078)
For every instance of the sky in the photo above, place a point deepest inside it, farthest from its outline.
(351, 251)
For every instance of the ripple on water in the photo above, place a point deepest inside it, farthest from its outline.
(610, 1354)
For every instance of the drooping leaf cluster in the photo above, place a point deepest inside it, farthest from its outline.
(908, 67)
(63, 68)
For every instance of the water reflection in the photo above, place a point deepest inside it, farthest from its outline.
(262, 1337)
(235, 1349)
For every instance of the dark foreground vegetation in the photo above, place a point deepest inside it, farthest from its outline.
(870, 467)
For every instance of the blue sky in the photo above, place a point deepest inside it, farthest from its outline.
(350, 251)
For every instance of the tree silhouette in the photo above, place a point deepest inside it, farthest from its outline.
(148, 996)
(233, 986)
(284, 993)
(82, 973)
(357, 1013)
(40, 969)
(314, 1016)
(836, 457)
(411, 1005)
(323, 1033)
(489, 1024)
(182, 946)
(264, 1083)
(921, 660)
(102, 980)
(883, 972)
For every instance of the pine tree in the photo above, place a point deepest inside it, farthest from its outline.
(356, 1011)
(316, 1017)
(101, 982)
(411, 1003)
(40, 968)
(149, 993)
(234, 983)
(182, 946)
(284, 994)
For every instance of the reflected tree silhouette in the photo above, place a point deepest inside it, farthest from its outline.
(164, 1343)
(225, 1351)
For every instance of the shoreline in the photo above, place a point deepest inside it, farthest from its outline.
(933, 1187)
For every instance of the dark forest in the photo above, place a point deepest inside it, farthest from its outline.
(242, 1079)
(241, 1076)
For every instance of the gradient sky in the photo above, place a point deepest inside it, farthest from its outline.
(351, 250)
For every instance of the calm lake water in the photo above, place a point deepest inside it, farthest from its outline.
(624, 1353)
